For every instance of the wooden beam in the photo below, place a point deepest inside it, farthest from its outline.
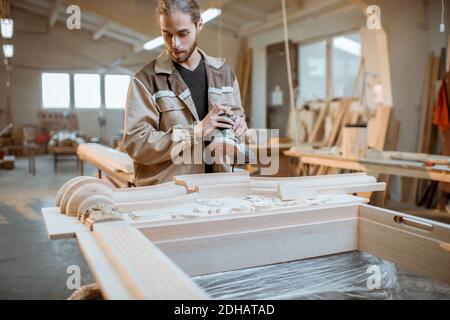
(54, 14)
(5, 9)
(101, 30)
(308, 11)
(295, 3)
(138, 16)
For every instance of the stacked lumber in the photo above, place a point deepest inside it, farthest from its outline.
(332, 116)
(427, 132)
(244, 78)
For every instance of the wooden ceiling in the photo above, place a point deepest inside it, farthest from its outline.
(133, 21)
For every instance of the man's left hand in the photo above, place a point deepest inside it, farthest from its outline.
(240, 126)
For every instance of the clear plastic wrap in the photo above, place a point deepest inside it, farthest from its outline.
(341, 276)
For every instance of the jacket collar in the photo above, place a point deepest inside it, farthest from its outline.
(164, 63)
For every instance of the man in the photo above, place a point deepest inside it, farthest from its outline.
(182, 89)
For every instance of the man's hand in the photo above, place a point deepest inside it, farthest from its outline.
(215, 120)
(240, 126)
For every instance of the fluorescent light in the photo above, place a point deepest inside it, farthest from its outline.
(348, 45)
(153, 44)
(207, 16)
(211, 14)
(7, 28)
(8, 50)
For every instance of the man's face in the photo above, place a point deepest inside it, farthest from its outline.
(180, 35)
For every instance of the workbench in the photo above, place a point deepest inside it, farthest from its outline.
(412, 165)
(62, 153)
(152, 242)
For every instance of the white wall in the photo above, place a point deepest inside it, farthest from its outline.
(346, 19)
(412, 28)
(38, 50)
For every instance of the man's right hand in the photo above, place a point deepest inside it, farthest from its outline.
(215, 119)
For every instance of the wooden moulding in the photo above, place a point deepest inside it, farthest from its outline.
(77, 186)
(78, 195)
(154, 259)
(196, 181)
(82, 193)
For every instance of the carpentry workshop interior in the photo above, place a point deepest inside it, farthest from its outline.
(225, 149)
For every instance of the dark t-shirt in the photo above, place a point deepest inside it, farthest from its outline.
(197, 83)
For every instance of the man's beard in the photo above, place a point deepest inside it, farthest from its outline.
(186, 55)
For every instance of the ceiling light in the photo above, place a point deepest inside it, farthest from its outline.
(153, 44)
(7, 28)
(211, 14)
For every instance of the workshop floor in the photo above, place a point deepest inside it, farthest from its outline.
(31, 266)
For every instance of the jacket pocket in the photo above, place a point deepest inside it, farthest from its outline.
(223, 96)
(172, 112)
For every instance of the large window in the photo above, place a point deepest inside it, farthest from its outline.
(335, 58)
(55, 90)
(346, 60)
(84, 91)
(313, 71)
(116, 89)
(87, 91)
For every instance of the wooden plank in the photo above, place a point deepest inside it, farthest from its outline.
(146, 271)
(203, 227)
(60, 226)
(218, 253)
(319, 125)
(378, 128)
(418, 246)
(430, 108)
(426, 126)
(337, 125)
(425, 102)
(107, 277)
(386, 168)
(287, 193)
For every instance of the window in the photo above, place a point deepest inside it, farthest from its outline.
(342, 53)
(313, 71)
(55, 90)
(87, 91)
(116, 89)
(346, 60)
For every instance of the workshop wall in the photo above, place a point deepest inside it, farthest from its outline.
(40, 49)
(416, 29)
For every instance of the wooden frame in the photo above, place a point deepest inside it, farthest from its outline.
(155, 258)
